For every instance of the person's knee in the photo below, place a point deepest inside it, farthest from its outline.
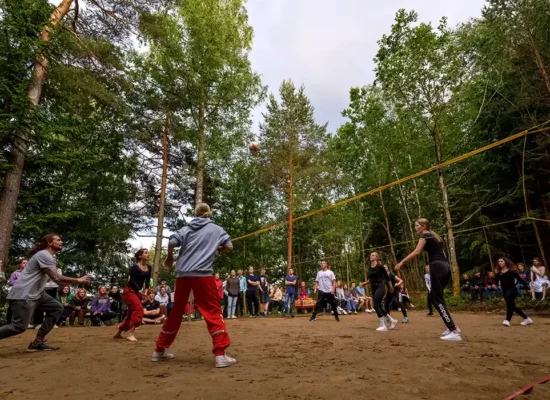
(19, 327)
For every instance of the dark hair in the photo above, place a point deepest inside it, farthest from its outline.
(61, 288)
(138, 254)
(44, 242)
(509, 264)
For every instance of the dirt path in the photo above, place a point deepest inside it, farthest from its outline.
(288, 358)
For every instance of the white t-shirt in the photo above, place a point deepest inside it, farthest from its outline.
(428, 282)
(162, 299)
(324, 280)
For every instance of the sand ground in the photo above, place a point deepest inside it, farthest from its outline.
(288, 358)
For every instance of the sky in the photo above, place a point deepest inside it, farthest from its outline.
(329, 46)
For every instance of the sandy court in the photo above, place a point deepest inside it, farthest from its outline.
(288, 358)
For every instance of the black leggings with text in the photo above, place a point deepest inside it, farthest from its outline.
(378, 294)
(440, 275)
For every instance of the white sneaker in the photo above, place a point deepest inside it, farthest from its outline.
(355, 312)
(55, 326)
(452, 337)
(506, 323)
(393, 323)
(37, 326)
(344, 312)
(371, 310)
(31, 326)
(527, 321)
(382, 328)
(448, 331)
(224, 361)
(162, 356)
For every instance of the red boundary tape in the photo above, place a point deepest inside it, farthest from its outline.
(528, 388)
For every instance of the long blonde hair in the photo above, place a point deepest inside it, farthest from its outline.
(426, 224)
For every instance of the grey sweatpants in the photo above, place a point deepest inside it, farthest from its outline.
(22, 311)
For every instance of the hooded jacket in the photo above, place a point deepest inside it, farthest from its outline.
(198, 243)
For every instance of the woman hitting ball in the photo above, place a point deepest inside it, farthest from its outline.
(440, 273)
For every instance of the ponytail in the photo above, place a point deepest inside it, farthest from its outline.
(43, 244)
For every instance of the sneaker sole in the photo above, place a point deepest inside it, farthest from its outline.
(160, 359)
(225, 365)
(452, 340)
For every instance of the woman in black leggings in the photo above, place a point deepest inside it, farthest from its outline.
(440, 273)
(378, 278)
(507, 276)
(397, 284)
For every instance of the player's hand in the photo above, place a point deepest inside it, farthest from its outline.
(398, 266)
(84, 280)
(169, 262)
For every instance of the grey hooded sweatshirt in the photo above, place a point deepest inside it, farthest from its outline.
(198, 243)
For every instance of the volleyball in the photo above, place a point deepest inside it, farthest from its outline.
(254, 146)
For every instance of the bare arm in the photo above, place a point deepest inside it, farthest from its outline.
(415, 253)
(333, 286)
(65, 280)
(225, 249)
(399, 281)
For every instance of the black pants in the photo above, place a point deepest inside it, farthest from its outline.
(225, 305)
(276, 303)
(440, 276)
(322, 300)
(240, 305)
(378, 294)
(39, 312)
(64, 315)
(430, 305)
(98, 318)
(390, 297)
(252, 299)
(477, 294)
(511, 308)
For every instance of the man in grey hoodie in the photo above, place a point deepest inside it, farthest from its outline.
(198, 242)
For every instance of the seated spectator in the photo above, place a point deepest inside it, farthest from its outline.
(340, 298)
(303, 291)
(79, 305)
(360, 295)
(161, 284)
(523, 275)
(491, 285)
(101, 308)
(369, 305)
(350, 301)
(164, 299)
(478, 287)
(116, 302)
(64, 297)
(151, 310)
(276, 297)
(539, 280)
(465, 287)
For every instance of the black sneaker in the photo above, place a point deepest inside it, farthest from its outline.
(291, 315)
(313, 318)
(40, 347)
(336, 318)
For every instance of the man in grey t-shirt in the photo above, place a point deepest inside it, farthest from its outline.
(27, 294)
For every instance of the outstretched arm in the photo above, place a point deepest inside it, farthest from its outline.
(65, 280)
(415, 253)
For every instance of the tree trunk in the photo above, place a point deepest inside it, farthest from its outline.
(448, 219)
(290, 205)
(199, 190)
(160, 221)
(489, 252)
(394, 258)
(17, 154)
(416, 192)
(362, 241)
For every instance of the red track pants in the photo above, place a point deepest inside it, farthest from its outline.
(135, 310)
(207, 301)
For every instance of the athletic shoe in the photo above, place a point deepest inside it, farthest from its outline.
(452, 337)
(224, 361)
(291, 315)
(405, 320)
(31, 326)
(55, 326)
(527, 321)
(344, 312)
(161, 356)
(33, 347)
(393, 324)
(382, 328)
(37, 326)
(430, 314)
(251, 316)
(355, 312)
(448, 331)
(371, 311)
(313, 318)
(336, 318)
(506, 323)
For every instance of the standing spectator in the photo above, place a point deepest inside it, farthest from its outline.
(79, 304)
(340, 298)
(264, 292)
(151, 310)
(65, 298)
(477, 287)
(523, 275)
(242, 291)
(349, 300)
(233, 288)
(277, 299)
(253, 283)
(539, 280)
(429, 287)
(101, 308)
(290, 283)
(219, 289)
(164, 300)
(116, 302)
(13, 278)
(163, 283)
(465, 287)
(491, 285)
(225, 297)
